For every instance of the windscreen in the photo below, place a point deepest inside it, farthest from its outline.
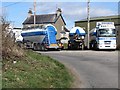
(107, 33)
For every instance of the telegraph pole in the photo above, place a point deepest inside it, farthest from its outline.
(88, 25)
(34, 12)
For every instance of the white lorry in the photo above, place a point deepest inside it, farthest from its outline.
(103, 36)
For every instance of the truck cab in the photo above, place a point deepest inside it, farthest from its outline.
(103, 36)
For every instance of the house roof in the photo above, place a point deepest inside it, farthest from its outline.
(43, 19)
(99, 18)
(66, 29)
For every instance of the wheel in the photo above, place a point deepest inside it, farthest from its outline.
(69, 46)
(91, 46)
(82, 47)
(42, 48)
(96, 46)
(85, 48)
(39, 46)
(34, 47)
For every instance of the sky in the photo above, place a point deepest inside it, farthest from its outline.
(16, 12)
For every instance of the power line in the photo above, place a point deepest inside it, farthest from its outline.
(12, 4)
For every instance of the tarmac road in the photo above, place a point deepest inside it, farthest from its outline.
(95, 69)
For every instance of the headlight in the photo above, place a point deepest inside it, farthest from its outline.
(82, 37)
(101, 43)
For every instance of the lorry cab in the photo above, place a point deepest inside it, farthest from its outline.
(107, 38)
(103, 36)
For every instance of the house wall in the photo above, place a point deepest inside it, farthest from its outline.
(59, 23)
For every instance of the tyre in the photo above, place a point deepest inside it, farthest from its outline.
(82, 47)
(35, 47)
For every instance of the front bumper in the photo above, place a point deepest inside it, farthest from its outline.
(107, 47)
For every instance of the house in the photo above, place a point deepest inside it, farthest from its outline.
(55, 19)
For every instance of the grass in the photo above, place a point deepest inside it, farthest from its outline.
(35, 71)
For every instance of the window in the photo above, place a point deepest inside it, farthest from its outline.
(62, 28)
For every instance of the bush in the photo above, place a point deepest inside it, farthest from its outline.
(9, 48)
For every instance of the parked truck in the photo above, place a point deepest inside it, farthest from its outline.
(103, 36)
(76, 36)
(40, 38)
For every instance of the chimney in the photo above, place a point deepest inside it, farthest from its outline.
(59, 11)
(30, 13)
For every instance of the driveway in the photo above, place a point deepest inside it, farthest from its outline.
(95, 69)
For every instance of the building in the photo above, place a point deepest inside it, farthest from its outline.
(55, 19)
(83, 23)
(115, 19)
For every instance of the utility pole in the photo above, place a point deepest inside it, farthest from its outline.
(88, 25)
(56, 6)
(34, 12)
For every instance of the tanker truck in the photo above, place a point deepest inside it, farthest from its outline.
(76, 36)
(40, 38)
(103, 36)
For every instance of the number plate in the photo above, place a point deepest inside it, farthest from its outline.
(53, 45)
(107, 42)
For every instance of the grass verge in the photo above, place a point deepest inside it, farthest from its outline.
(35, 71)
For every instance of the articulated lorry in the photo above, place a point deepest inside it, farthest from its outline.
(76, 36)
(103, 36)
(40, 38)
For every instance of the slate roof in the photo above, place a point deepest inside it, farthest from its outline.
(66, 29)
(43, 19)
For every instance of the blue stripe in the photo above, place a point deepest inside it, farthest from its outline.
(71, 34)
(33, 33)
(113, 38)
(108, 38)
(101, 38)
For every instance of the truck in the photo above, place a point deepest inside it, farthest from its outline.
(40, 38)
(76, 38)
(103, 36)
(17, 34)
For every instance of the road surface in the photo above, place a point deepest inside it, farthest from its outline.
(95, 69)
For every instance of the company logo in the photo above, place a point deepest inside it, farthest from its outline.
(107, 38)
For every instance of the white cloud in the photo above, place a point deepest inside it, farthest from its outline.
(81, 12)
(73, 11)
(62, 0)
(75, 14)
(102, 12)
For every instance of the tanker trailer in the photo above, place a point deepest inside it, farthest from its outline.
(76, 36)
(40, 38)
